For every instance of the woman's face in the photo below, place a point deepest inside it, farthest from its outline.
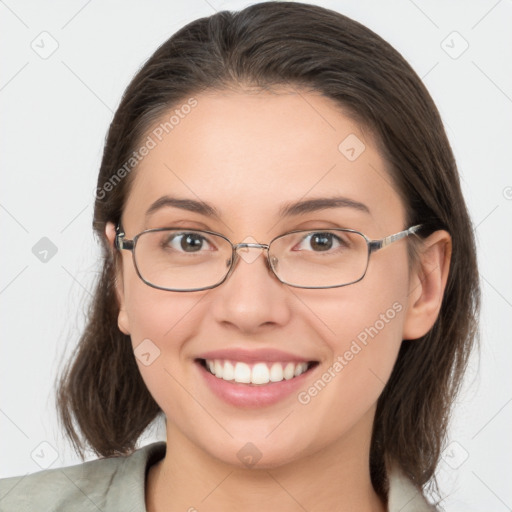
(247, 155)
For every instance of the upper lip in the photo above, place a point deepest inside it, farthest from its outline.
(250, 356)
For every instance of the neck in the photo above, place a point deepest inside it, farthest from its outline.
(336, 478)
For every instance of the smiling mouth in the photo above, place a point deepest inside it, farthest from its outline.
(258, 373)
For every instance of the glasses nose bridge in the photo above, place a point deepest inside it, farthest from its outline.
(246, 245)
(249, 245)
(247, 258)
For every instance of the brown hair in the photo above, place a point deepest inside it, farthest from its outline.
(102, 399)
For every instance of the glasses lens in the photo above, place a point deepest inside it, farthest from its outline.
(182, 259)
(320, 258)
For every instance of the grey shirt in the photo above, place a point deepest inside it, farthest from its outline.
(117, 484)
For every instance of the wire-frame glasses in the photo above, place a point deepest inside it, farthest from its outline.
(178, 259)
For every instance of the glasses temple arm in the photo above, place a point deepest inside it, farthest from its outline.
(375, 245)
(119, 241)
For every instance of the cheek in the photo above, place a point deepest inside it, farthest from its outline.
(371, 309)
(161, 322)
(363, 325)
(158, 314)
(374, 323)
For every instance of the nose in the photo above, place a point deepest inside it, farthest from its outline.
(252, 296)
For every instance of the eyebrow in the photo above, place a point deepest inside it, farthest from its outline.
(190, 205)
(321, 203)
(287, 210)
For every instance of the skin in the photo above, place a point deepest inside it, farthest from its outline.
(247, 154)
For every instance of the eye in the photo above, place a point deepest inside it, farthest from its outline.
(320, 241)
(187, 242)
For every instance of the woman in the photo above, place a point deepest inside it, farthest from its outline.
(289, 277)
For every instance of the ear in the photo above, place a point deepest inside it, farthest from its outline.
(122, 319)
(427, 284)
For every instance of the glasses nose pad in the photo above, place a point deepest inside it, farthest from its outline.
(273, 262)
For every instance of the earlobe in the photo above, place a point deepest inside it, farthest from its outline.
(122, 319)
(427, 285)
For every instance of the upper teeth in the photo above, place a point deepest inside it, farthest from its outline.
(258, 373)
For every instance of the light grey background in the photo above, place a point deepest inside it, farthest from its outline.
(55, 110)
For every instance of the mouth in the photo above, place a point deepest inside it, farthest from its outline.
(256, 373)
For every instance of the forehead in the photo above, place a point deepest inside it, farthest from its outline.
(248, 153)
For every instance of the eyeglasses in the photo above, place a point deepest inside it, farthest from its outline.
(187, 260)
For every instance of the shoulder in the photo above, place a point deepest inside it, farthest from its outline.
(107, 484)
(404, 496)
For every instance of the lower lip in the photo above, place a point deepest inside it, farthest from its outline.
(247, 395)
